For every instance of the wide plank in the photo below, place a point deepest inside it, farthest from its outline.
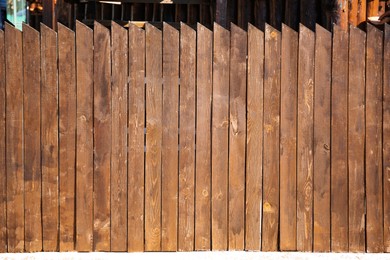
(3, 176)
(386, 138)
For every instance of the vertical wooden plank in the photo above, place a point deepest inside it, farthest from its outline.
(204, 78)
(119, 68)
(221, 12)
(356, 132)
(372, 8)
(254, 139)
(342, 14)
(84, 138)
(220, 139)
(308, 13)
(3, 174)
(291, 17)
(48, 15)
(101, 138)
(374, 182)
(288, 140)
(32, 140)
(237, 137)
(321, 164)
(275, 9)
(353, 12)
(361, 12)
(386, 137)
(271, 139)
(136, 155)
(170, 139)
(49, 139)
(339, 142)
(153, 138)
(186, 231)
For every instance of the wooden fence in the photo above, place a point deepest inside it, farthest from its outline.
(165, 140)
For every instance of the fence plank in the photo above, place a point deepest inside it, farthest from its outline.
(102, 137)
(356, 123)
(203, 139)
(220, 139)
(271, 139)
(3, 176)
(342, 13)
(254, 139)
(237, 137)
(170, 139)
(362, 11)
(288, 140)
(49, 138)
(84, 138)
(372, 8)
(321, 164)
(386, 137)
(374, 182)
(32, 140)
(119, 45)
(153, 138)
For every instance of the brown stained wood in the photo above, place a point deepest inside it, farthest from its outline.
(101, 138)
(272, 67)
(353, 12)
(288, 140)
(342, 14)
(84, 138)
(361, 11)
(170, 139)
(275, 9)
(32, 140)
(204, 90)
(3, 176)
(153, 138)
(356, 133)
(372, 8)
(291, 17)
(339, 142)
(237, 137)
(186, 232)
(386, 137)
(374, 182)
(322, 120)
(305, 139)
(49, 139)
(119, 68)
(67, 135)
(220, 139)
(254, 139)
(136, 155)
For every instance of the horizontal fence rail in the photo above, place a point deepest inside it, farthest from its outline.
(181, 140)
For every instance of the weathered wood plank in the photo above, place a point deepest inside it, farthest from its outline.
(288, 140)
(101, 138)
(372, 8)
(362, 11)
(353, 12)
(119, 68)
(32, 140)
(271, 139)
(49, 139)
(220, 139)
(342, 14)
(3, 176)
(386, 137)
(254, 139)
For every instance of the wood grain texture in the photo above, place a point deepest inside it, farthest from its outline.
(3, 165)
(237, 137)
(204, 79)
(153, 138)
(386, 138)
(254, 139)
(342, 14)
(372, 8)
(288, 140)
(32, 140)
(49, 139)
(170, 139)
(308, 12)
(353, 12)
(322, 121)
(102, 138)
(356, 133)
(271, 128)
(136, 155)
(374, 182)
(84, 138)
(362, 11)
(119, 68)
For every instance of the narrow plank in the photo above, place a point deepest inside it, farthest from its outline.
(339, 142)
(386, 137)
(153, 138)
(170, 139)
(288, 140)
(119, 68)
(275, 10)
(84, 138)
(305, 139)
(254, 139)
(186, 232)
(362, 11)
(342, 14)
(220, 139)
(271, 139)
(204, 79)
(32, 140)
(3, 176)
(237, 137)
(374, 182)
(321, 164)
(356, 132)
(372, 8)
(353, 12)
(101, 138)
